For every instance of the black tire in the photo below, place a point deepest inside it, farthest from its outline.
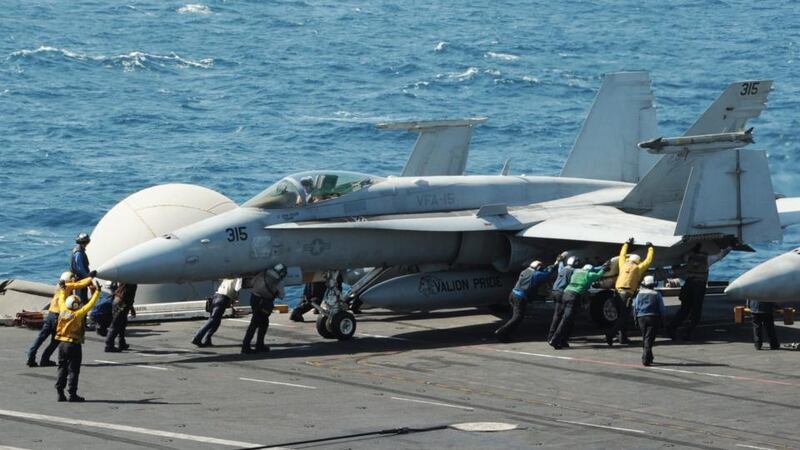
(343, 325)
(603, 309)
(322, 327)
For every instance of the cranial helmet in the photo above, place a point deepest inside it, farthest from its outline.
(573, 261)
(66, 276)
(587, 267)
(536, 264)
(82, 238)
(306, 181)
(634, 258)
(280, 269)
(72, 302)
(649, 281)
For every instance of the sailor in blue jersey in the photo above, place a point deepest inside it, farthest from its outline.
(527, 284)
(649, 312)
(79, 263)
(557, 293)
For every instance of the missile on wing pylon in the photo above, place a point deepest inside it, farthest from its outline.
(776, 280)
(440, 290)
(699, 143)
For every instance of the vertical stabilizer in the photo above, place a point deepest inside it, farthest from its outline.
(622, 115)
(660, 193)
(441, 148)
(740, 102)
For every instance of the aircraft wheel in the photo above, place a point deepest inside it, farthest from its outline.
(322, 327)
(343, 325)
(603, 309)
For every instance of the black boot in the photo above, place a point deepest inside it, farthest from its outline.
(32, 363)
(262, 348)
(61, 396)
(76, 398)
(47, 363)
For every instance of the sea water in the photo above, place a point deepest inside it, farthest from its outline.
(99, 99)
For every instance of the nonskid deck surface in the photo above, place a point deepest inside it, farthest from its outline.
(420, 372)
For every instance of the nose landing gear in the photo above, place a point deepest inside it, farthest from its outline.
(334, 320)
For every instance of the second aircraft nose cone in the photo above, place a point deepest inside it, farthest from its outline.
(159, 260)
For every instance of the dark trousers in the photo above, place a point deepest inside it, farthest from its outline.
(303, 307)
(765, 322)
(517, 314)
(649, 326)
(69, 365)
(259, 321)
(557, 313)
(48, 330)
(218, 306)
(692, 294)
(566, 317)
(118, 326)
(622, 300)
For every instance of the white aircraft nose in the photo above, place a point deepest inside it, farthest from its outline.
(156, 261)
(775, 280)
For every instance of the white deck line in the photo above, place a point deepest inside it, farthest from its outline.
(74, 422)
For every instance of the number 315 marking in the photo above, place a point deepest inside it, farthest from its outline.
(750, 88)
(236, 234)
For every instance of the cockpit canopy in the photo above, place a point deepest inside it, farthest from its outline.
(306, 188)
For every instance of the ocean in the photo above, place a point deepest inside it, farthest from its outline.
(101, 99)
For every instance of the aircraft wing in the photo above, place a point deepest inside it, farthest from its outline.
(605, 224)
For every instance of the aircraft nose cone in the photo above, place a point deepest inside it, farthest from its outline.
(156, 261)
(735, 291)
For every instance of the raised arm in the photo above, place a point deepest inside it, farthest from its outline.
(649, 259)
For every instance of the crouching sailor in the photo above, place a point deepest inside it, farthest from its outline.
(70, 333)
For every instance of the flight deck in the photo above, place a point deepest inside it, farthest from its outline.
(404, 381)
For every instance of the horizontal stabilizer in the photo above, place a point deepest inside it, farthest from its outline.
(442, 147)
(789, 211)
(740, 102)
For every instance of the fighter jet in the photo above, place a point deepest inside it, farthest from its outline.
(468, 235)
(776, 280)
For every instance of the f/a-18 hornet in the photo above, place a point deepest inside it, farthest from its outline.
(468, 235)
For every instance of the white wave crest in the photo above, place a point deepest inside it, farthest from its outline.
(194, 8)
(130, 61)
(138, 60)
(503, 56)
(531, 79)
(465, 75)
(48, 49)
(440, 46)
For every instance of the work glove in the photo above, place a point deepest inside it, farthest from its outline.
(93, 273)
(649, 244)
(630, 241)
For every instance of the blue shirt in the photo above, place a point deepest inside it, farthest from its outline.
(530, 280)
(564, 274)
(79, 264)
(649, 302)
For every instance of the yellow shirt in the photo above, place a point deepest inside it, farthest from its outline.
(630, 274)
(57, 303)
(70, 323)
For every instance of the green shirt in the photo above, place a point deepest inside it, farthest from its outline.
(582, 279)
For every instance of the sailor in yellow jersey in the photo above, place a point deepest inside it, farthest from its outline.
(631, 271)
(69, 333)
(66, 286)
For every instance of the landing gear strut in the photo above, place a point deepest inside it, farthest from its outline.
(334, 320)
